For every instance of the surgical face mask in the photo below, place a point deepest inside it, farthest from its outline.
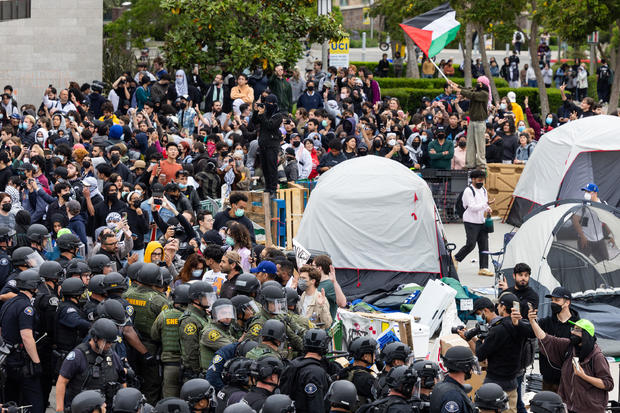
(182, 186)
(197, 273)
(556, 308)
(302, 284)
(548, 121)
(229, 240)
(324, 123)
(521, 128)
(124, 194)
(587, 196)
(503, 106)
(424, 138)
(392, 142)
(239, 212)
(229, 142)
(238, 153)
(344, 95)
(479, 318)
(40, 138)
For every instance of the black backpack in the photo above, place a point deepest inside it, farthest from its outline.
(458, 205)
(518, 37)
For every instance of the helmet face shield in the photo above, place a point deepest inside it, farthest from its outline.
(276, 306)
(81, 250)
(47, 243)
(34, 260)
(207, 299)
(223, 313)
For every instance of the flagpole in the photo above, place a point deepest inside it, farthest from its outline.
(440, 71)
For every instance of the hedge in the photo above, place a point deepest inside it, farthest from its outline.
(372, 65)
(411, 98)
(438, 83)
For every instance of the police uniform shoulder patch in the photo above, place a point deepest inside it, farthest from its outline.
(190, 329)
(71, 356)
(71, 310)
(129, 310)
(310, 388)
(4, 261)
(214, 335)
(12, 283)
(53, 301)
(451, 407)
(256, 328)
(28, 311)
(217, 359)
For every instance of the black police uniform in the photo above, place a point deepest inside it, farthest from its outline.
(87, 370)
(381, 389)
(10, 285)
(309, 385)
(63, 261)
(71, 326)
(228, 395)
(128, 307)
(22, 385)
(364, 382)
(90, 308)
(256, 397)
(5, 267)
(46, 304)
(424, 403)
(389, 404)
(449, 396)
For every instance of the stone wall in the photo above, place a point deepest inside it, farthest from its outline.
(62, 41)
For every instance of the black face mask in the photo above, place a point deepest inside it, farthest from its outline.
(296, 144)
(378, 143)
(66, 196)
(136, 204)
(462, 144)
(115, 158)
(310, 88)
(182, 105)
(556, 308)
(111, 196)
(575, 340)
(6, 207)
(479, 184)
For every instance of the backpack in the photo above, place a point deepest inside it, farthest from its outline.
(289, 376)
(459, 208)
(518, 37)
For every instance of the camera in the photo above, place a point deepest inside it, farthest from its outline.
(480, 330)
(260, 105)
(178, 231)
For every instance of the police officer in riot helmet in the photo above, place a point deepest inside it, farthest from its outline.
(39, 237)
(22, 258)
(6, 247)
(266, 372)
(272, 337)
(402, 382)
(279, 403)
(165, 331)
(46, 305)
(132, 272)
(342, 396)
(392, 355)
(216, 371)
(172, 405)
(305, 379)
(198, 394)
(547, 402)
(71, 324)
(363, 350)
(247, 284)
(216, 334)
(240, 407)
(450, 395)
(245, 308)
(491, 398)
(95, 297)
(128, 400)
(113, 310)
(100, 264)
(91, 365)
(235, 375)
(69, 246)
(428, 372)
(89, 401)
(23, 365)
(77, 267)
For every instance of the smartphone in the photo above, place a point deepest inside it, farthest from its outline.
(124, 215)
(576, 363)
(530, 306)
(516, 305)
(158, 201)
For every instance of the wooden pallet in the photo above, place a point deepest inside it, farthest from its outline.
(295, 197)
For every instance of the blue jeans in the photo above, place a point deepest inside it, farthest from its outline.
(520, 405)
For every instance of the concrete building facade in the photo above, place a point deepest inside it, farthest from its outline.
(62, 40)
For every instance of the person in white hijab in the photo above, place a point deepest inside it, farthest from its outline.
(41, 137)
(180, 83)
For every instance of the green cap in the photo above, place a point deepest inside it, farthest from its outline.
(585, 325)
(63, 231)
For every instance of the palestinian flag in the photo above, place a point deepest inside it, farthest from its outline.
(433, 30)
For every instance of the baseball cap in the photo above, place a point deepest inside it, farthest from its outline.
(426, 99)
(157, 189)
(585, 325)
(290, 151)
(15, 116)
(440, 130)
(507, 300)
(482, 302)
(138, 164)
(266, 267)
(512, 97)
(590, 187)
(560, 292)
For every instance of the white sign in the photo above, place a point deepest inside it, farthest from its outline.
(302, 255)
(339, 52)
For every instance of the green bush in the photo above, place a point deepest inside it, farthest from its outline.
(372, 65)
(438, 83)
(411, 98)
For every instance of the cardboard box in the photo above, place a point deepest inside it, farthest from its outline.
(451, 340)
(476, 382)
